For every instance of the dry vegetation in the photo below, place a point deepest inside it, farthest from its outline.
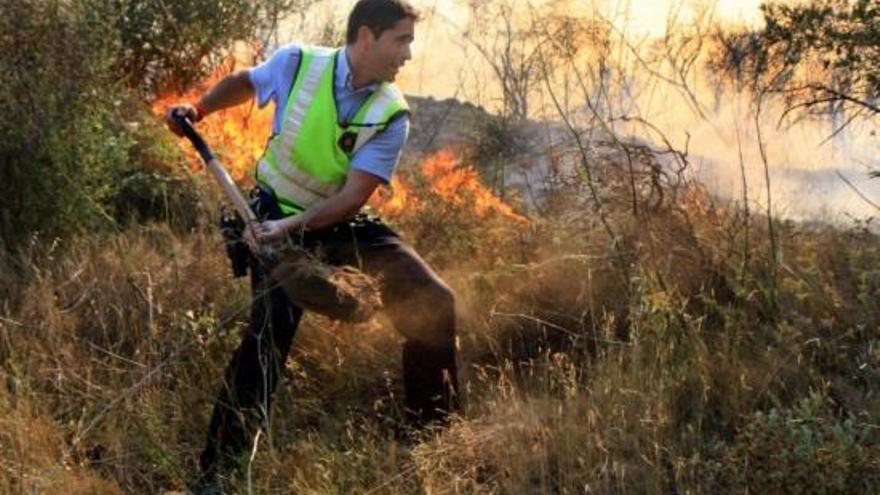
(654, 364)
(634, 335)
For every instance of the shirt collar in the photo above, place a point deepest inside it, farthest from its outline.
(344, 75)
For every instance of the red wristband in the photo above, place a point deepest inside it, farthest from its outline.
(200, 111)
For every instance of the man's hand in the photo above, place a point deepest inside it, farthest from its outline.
(270, 231)
(190, 111)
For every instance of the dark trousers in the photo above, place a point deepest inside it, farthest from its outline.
(420, 305)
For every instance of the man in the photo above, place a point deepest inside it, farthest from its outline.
(340, 125)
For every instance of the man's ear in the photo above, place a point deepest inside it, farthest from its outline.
(365, 36)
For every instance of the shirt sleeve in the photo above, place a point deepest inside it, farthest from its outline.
(380, 155)
(273, 76)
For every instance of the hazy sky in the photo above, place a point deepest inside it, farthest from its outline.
(649, 16)
(438, 58)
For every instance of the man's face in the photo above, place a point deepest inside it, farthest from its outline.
(390, 51)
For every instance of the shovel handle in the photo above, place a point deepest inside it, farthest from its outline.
(211, 161)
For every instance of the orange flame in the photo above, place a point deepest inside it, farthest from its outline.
(237, 134)
(449, 179)
(395, 199)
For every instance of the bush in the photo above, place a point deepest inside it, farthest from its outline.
(159, 196)
(80, 150)
(174, 44)
(59, 137)
(802, 449)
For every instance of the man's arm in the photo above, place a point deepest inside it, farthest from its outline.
(358, 188)
(232, 90)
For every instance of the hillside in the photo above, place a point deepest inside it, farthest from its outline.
(605, 353)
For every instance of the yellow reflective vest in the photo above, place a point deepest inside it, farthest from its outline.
(308, 160)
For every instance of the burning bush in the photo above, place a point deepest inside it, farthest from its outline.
(443, 208)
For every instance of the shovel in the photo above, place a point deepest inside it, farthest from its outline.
(341, 293)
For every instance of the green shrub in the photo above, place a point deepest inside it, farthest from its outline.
(165, 45)
(802, 449)
(59, 138)
(80, 150)
(160, 196)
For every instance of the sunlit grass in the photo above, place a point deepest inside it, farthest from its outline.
(576, 380)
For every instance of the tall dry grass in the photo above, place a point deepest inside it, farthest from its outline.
(647, 363)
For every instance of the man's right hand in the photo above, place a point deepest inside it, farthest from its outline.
(232, 90)
(187, 109)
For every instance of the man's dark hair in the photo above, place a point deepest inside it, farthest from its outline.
(378, 15)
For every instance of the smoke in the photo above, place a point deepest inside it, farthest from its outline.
(816, 171)
(716, 125)
(814, 174)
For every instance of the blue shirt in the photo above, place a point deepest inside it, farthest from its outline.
(273, 78)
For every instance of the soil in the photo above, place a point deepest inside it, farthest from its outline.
(338, 292)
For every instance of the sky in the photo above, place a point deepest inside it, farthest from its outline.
(437, 64)
(649, 16)
(437, 54)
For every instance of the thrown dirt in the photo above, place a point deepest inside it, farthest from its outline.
(339, 292)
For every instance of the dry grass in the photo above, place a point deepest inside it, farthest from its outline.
(585, 369)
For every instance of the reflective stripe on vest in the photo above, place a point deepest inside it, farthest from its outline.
(304, 164)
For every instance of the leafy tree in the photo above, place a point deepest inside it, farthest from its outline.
(73, 122)
(822, 55)
(170, 45)
(58, 134)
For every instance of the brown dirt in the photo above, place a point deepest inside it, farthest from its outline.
(341, 293)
